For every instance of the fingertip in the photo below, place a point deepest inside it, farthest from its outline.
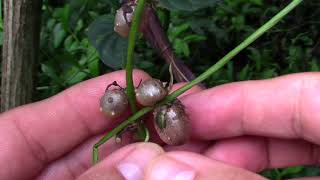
(126, 163)
(165, 167)
(137, 151)
(190, 166)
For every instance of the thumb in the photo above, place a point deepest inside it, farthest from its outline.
(128, 163)
(191, 166)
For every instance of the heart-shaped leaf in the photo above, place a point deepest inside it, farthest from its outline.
(187, 5)
(111, 47)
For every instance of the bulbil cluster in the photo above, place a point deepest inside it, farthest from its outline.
(114, 101)
(170, 120)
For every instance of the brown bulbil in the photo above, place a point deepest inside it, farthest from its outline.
(150, 92)
(176, 130)
(123, 19)
(114, 103)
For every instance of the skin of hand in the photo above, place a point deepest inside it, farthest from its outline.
(238, 130)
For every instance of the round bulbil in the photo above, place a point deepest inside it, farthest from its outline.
(123, 20)
(150, 92)
(172, 123)
(114, 103)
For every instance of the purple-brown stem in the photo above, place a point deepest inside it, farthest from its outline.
(154, 34)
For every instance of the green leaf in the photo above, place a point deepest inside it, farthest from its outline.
(181, 47)
(145, 64)
(49, 70)
(178, 30)
(1, 38)
(194, 38)
(79, 26)
(255, 55)
(314, 66)
(111, 47)
(244, 74)
(76, 77)
(65, 16)
(58, 35)
(187, 5)
(77, 8)
(94, 67)
(291, 170)
(256, 2)
(269, 73)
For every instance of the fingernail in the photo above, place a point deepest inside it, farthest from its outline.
(102, 173)
(185, 175)
(131, 167)
(170, 169)
(127, 163)
(130, 171)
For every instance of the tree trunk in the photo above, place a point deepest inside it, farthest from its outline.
(22, 19)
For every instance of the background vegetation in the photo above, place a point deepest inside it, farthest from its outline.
(199, 39)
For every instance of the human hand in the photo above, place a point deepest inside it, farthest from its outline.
(52, 139)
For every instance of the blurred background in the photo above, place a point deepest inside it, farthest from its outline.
(55, 44)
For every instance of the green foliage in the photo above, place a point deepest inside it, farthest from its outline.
(181, 39)
(111, 46)
(288, 48)
(190, 5)
(73, 41)
(67, 57)
(292, 172)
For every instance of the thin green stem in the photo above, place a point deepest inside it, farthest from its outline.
(129, 78)
(258, 33)
(202, 77)
(130, 54)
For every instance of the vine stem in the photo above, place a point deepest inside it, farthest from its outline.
(203, 76)
(130, 54)
(130, 90)
(222, 62)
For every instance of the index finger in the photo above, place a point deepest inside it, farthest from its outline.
(284, 107)
(33, 135)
